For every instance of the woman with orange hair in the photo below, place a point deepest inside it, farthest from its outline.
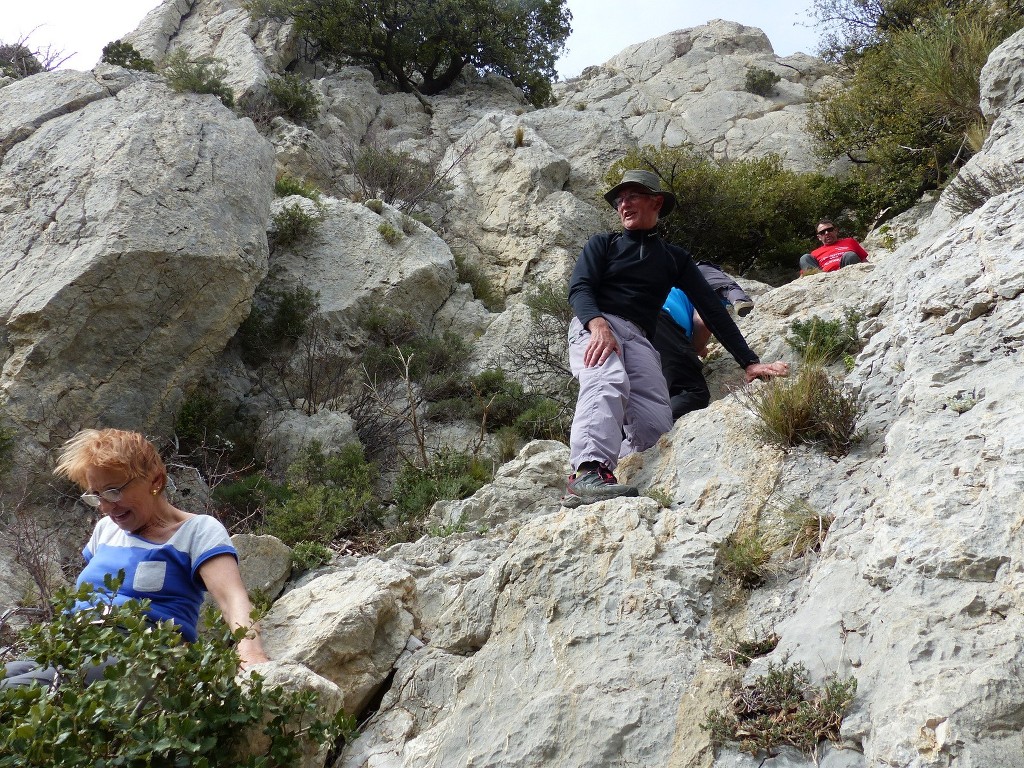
(169, 556)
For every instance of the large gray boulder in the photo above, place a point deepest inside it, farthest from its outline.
(132, 235)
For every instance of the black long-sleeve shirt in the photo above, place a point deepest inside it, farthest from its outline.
(629, 274)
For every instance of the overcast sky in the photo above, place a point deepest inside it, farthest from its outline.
(601, 28)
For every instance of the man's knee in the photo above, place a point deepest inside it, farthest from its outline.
(848, 259)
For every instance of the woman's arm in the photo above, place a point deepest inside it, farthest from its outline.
(223, 580)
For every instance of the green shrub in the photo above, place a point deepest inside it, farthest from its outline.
(387, 326)
(471, 273)
(744, 559)
(286, 186)
(761, 81)
(396, 178)
(743, 213)
(122, 54)
(908, 114)
(744, 651)
(307, 555)
(375, 205)
(292, 224)
(448, 476)
(203, 74)
(825, 341)
(278, 319)
(7, 438)
(163, 703)
(329, 496)
(17, 60)
(811, 407)
(973, 187)
(782, 708)
(389, 233)
(295, 97)
(248, 494)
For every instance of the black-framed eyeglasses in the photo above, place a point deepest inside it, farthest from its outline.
(826, 230)
(631, 197)
(112, 495)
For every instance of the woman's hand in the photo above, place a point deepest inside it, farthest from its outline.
(222, 578)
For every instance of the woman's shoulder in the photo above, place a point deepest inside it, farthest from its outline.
(199, 533)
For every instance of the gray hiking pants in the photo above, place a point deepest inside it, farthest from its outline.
(623, 404)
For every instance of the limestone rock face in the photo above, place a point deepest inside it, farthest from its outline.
(132, 235)
(348, 626)
(265, 563)
(688, 86)
(1002, 82)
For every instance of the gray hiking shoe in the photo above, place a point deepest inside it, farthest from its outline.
(743, 307)
(591, 485)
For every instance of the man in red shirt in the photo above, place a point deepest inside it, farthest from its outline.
(835, 252)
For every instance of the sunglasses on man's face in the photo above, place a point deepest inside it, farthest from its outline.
(826, 230)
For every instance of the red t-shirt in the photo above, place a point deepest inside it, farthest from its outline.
(829, 256)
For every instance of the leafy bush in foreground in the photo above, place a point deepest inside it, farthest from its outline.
(163, 703)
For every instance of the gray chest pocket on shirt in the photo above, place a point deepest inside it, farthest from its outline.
(149, 576)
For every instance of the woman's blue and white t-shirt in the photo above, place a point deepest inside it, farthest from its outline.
(165, 574)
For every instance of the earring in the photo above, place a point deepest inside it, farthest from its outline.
(155, 491)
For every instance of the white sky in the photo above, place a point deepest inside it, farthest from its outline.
(601, 28)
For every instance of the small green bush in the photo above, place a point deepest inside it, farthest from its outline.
(811, 407)
(397, 178)
(825, 341)
(744, 651)
(277, 320)
(295, 97)
(292, 224)
(972, 188)
(7, 438)
(203, 74)
(449, 476)
(17, 60)
(389, 233)
(329, 496)
(286, 186)
(782, 708)
(744, 559)
(163, 703)
(472, 274)
(122, 54)
(248, 494)
(376, 205)
(761, 82)
(307, 555)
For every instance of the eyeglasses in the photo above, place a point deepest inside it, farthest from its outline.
(826, 230)
(113, 495)
(631, 197)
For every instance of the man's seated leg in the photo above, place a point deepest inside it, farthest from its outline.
(848, 259)
(596, 433)
(808, 262)
(681, 367)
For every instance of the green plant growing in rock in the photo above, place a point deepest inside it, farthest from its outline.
(389, 233)
(293, 224)
(801, 528)
(761, 82)
(744, 559)
(163, 702)
(742, 651)
(328, 496)
(202, 74)
(809, 408)
(962, 402)
(661, 496)
(295, 97)
(973, 187)
(783, 708)
(825, 341)
(278, 319)
(470, 272)
(286, 186)
(122, 54)
(307, 555)
(20, 59)
(449, 475)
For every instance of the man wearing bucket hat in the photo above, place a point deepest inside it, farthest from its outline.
(616, 291)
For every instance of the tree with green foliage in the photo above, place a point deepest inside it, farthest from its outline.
(422, 46)
(908, 113)
(123, 54)
(745, 214)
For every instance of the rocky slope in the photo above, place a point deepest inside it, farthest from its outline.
(132, 228)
